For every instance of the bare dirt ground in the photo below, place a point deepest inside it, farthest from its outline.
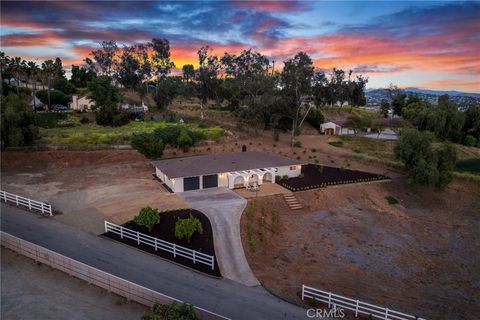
(420, 256)
(88, 187)
(34, 291)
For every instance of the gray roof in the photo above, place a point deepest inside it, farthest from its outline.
(218, 163)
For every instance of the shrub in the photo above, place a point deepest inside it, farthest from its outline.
(173, 311)
(313, 150)
(147, 217)
(297, 144)
(149, 145)
(84, 119)
(184, 141)
(391, 200)
(469, 140)
(337, 144)
(185, 228)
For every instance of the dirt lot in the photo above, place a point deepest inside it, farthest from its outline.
(35, 291)
(420, 256)
(87, 186)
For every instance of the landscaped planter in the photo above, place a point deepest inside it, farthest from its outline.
(315, 176)
(165, 230)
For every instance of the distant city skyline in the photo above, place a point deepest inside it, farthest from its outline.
(434, 45)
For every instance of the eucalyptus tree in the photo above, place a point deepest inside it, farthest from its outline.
(296, 80)
(162, 65)
(207, 76)
(33, 74)
(105, 57)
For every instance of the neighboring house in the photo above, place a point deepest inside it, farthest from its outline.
(36, 103)
(336, 127)
(229, 170)
(133, 108)
(82, 103)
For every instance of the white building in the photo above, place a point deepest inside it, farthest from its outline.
(335, 128)
(229, 170)
(81, 103)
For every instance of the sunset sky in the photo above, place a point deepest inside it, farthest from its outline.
(432, 45)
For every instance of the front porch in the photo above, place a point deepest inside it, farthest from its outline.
(249, 179)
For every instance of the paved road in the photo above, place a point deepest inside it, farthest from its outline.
(221, 296)
(224, 208)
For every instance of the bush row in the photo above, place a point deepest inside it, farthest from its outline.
(331, 183)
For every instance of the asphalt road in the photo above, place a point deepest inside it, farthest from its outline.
(221, 296)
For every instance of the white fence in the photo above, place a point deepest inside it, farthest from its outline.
(158, 244)
(359, 307)
(122, 287)
(26, 202)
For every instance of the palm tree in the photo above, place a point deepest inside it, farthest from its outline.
(4, 63)
(48, 69)
(32, 74)
(17, 65)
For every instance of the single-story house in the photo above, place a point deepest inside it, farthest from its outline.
(82, 103)
(230, 170)
(335, 127)
(134, 108)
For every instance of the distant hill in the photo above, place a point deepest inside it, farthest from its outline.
(462, 99)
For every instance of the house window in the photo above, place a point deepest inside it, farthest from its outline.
(293, 168)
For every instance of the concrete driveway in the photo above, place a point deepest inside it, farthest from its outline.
(224, 209)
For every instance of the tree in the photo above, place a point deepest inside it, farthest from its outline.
(207, 76)
(296, 79)
(149, 145)
(102, 92)
(128, 70)
(166, 91)
(48, 71)
(81, 76)
(148, 218)
(188, 72)
(397, 97)
(384, 108)
(33, 73)
(173, 311)
(161, 62)
(63, 85)
(18, 122)
(53, 97)
(185, 228)
(471, 127)
(356, 123)
(425, 164)
(105, 57)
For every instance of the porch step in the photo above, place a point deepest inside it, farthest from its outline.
(292, 201)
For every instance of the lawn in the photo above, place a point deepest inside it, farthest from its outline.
(315, 176)
(93, 135)
(165, 230)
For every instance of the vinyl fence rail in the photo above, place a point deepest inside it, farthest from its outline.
(20, 201)
(158, 244)
(102, 279)
(359, 307)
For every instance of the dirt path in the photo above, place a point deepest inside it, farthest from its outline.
(88, 187)
(419, 256)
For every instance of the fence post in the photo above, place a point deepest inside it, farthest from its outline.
(155, 244)
(138, 238)
(50, 210)
(329, 299)
(174, 251)
(193, 256)
(213, 262)
(16, 199)
(121, 232)
(30, 204)
(303, 292)
(105, 225)
(386, 313)
(356, 309)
